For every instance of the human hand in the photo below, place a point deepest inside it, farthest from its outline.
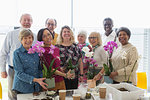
(40, 81)
(69, 74)
(97, 77)
(113, 74)
(4, 74)
(81, 79)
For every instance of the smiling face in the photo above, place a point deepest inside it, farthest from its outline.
(27, 41)
(81, 39)
(93, 39)
(47, 38)
(108, 26)
(26, 21)
(123, 37)
(51, 25)
(66, 34)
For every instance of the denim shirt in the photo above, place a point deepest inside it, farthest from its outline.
(27, 67)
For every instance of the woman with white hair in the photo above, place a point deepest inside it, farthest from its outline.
(82, 36)
(28, 71)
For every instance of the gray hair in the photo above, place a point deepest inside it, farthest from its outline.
(25, 15)
(82, 32)
(24, 33)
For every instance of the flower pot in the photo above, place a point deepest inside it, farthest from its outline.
(91, 83)
(50, 82)
(107, 79)
(73, 72)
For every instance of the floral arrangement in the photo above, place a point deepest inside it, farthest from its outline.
(92, 62)
(38, 47)
(109, 47)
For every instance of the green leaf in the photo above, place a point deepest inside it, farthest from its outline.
(44, 70)
(106, 68)
(111, 66)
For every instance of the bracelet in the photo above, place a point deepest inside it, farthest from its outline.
(81, 74)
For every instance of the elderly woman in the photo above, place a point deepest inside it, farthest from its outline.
(28, 72)
(46, 36)
(82, 43)
(124, 59)
(124, 66)
(99, 52)
(70, 51)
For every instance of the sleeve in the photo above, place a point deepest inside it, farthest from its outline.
(19, 69)
(4, 52)
(40, 70)
(57, 61)
(132, 58)
(103, 57)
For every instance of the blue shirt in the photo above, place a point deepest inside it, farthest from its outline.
(27, 67)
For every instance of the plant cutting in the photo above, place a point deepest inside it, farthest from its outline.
(133, 68)
(108, 68)
(47, 70)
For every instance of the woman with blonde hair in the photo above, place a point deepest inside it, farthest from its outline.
(99, 52)
(69, 51)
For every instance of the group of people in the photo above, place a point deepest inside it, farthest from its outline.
(25, 70)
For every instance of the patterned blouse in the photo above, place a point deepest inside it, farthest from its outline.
(67, 52)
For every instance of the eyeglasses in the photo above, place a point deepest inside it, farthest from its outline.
(50, 24)
(92, 37)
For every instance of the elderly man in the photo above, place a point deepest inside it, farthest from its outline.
(51, 24)
(11, 43)
(109, 34)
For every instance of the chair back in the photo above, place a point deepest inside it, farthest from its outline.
(141, 80)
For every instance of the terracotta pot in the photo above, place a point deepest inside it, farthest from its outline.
(91, 83)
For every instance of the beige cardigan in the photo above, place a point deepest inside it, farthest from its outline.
(120, 67)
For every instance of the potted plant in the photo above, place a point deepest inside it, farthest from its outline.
(92, 65)
(108, 68)
(70, 66)
(47, 71)
(48, 74)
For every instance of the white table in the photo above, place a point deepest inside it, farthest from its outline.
(43, 95)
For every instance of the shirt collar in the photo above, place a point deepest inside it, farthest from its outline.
(22, 49)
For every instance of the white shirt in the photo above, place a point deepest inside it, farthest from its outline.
(11, 43)
(111, 37)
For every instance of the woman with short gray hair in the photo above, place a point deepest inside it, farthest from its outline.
(82, 35)
(28, 72)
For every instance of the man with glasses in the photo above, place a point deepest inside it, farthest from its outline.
(51, 24)
(109, 34)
